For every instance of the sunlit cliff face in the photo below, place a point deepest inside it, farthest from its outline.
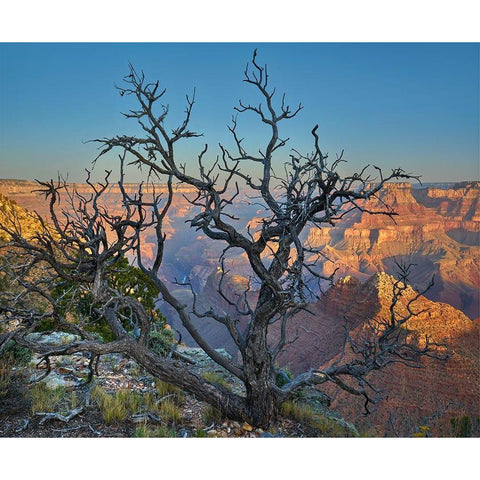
(436, 228)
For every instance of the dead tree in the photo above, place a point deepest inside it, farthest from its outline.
(311, 192)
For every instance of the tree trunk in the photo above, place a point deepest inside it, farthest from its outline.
(232, 405)
(261, 402)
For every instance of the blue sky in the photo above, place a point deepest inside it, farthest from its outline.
(409, 105)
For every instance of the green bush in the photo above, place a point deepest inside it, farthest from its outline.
(78, 303)
(16, 355)
(283, 376)
(161, 341)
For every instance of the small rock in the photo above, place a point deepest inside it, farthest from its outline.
(53, 380)
(212, 432)
(247, 427)
(57, 338)
(64, 370)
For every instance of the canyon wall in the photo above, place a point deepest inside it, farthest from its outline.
(437, 229)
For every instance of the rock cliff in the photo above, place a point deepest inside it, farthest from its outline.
(412, 397)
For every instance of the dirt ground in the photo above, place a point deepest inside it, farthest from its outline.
(17, 419)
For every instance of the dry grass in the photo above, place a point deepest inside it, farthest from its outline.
(6, 375)
(306, 415)
(163, 431)
(211, 415)
(117, 406)
(298, 411)
(216, 378)
(170, 412)
(164, 389)
(46, 399)
(150, 402)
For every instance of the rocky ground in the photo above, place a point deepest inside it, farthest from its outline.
(84, 417)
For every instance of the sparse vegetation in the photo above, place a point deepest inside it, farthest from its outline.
(170, 412)
(211, 415)
(216, 378)
(115, 407)
(164, 389)
(5, 377)
(88, 283)
(305, 414)
(461, 426)
(46, 399)
(144, 431)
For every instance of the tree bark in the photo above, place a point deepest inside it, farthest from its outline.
(261, 403)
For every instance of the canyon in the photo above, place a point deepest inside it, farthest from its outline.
(436, 228)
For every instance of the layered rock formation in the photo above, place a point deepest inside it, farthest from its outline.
(435, 228)
(17, 219)
(412, 397)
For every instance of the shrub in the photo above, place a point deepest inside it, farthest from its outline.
(16, 355)
(161, 341)
(283, 376)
